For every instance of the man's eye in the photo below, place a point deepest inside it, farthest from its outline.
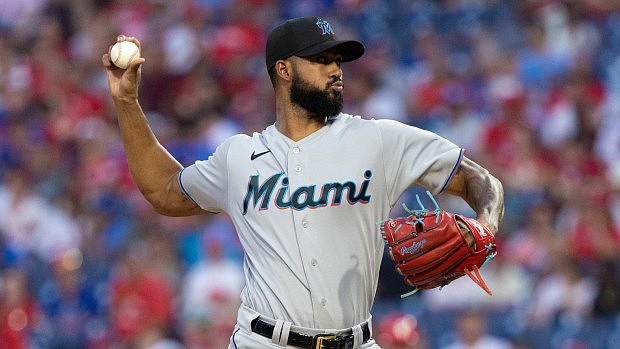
(326, 60)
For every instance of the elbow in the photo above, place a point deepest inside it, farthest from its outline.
(494, 184)
(500, 193)
(167, 212)
(496, 200)
(497, 184)
(173, 205)
(497, 188)
(158, 202)
(162, 206)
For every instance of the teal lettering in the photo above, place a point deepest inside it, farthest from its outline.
(257, 192)
(281, 195)
(303, 197)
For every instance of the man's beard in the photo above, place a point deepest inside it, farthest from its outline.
(319, 103)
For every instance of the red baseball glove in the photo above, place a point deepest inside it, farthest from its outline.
(433, 248)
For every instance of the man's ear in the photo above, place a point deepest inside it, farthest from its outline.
(284, 69)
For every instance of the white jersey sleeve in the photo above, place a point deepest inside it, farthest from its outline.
(417, 157)
(206, 181)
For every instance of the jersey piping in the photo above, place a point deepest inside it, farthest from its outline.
(454, 170)
(183, 189)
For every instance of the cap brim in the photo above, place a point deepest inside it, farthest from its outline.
(349, 49)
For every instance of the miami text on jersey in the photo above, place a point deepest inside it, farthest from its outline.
(305, 196)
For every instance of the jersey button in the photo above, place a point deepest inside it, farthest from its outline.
(314, 262)
(296, 150)
(323, 302)
(298, 168)
(304, 224)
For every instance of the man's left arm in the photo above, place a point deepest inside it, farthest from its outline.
(482, 192)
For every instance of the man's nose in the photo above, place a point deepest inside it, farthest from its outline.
(335, 70)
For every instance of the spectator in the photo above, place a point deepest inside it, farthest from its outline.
(33, 228)
(141, 308)
(211, 297)
(19, 311)
(472, 333)
(397, 330)
(560, 304)
(69, 304)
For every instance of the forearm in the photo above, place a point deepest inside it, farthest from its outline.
(151, 165)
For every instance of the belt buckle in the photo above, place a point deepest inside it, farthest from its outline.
(317, 341)
(344, 341)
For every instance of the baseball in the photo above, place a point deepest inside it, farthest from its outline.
(122, 53)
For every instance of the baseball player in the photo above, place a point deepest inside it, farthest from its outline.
(305, 194)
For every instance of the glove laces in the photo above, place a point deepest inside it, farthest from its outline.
(475, 276)
(418, 217)
(420, 213)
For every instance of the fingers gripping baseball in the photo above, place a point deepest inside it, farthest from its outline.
(433, 248)
(124, 83)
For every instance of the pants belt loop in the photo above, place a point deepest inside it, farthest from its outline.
(277, 331)
(286, 329)
(280, 333)
(358, 335)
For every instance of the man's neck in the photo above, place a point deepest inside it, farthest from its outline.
(296, 123)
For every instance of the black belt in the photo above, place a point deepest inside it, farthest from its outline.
(342, 340)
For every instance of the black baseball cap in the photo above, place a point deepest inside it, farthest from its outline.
(307, 36)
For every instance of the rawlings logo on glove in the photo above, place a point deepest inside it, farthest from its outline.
(414, 249)
(433, 248)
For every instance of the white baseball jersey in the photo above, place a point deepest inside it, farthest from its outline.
(306, 212)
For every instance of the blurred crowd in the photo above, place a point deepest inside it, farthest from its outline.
(530, 88)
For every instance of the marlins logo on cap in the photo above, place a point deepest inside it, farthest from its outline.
(325, 27)
(307, 36)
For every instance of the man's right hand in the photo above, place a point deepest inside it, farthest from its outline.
(124, 83)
